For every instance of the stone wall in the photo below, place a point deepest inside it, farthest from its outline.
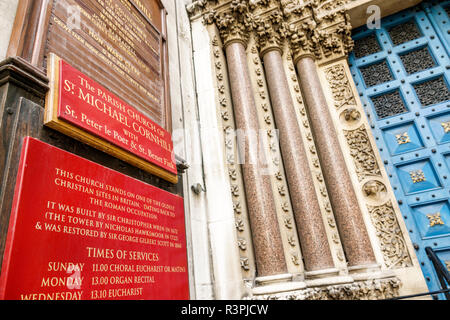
(7, 13)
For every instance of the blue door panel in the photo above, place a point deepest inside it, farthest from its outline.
(432, 219)
(418, 177)
(402, 73)
(402, 138)
(440, 127)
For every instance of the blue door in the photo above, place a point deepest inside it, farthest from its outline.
(402, 73)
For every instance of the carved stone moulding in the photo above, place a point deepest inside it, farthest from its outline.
(374, 289)
(270, 30)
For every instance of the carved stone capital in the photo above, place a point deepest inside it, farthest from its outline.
(318, 28)
(233, 18)
(301, 28)
(270, 30)
(303, 40)
(335, 41)
(334, 29)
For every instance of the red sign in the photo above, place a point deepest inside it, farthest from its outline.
(91, 107)
(80, 231)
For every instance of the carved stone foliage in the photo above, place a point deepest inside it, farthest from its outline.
(373, 186)
(270, 30)
(393, 247)
(340, 86)
(362, 153)
(196, 7)
(319, 28)
(364, 290)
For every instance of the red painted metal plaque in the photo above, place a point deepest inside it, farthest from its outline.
(80, 231)
(91, 107)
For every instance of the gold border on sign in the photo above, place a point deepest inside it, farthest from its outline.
(51, 120)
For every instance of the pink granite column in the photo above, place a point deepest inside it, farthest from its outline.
(313, 238)
(343, 199)
(266, 236)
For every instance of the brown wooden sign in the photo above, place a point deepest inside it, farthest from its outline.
(120, 44)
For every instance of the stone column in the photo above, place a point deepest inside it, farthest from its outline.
(266, 236)
(343, 199)
(313, 238)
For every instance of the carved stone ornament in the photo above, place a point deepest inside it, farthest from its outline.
(392, 243)
(363, 290)
(351, 115)
(270, 31)
(340, 87)
(362, 153)
(233, 23)
(317, 28)
(374, 190)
